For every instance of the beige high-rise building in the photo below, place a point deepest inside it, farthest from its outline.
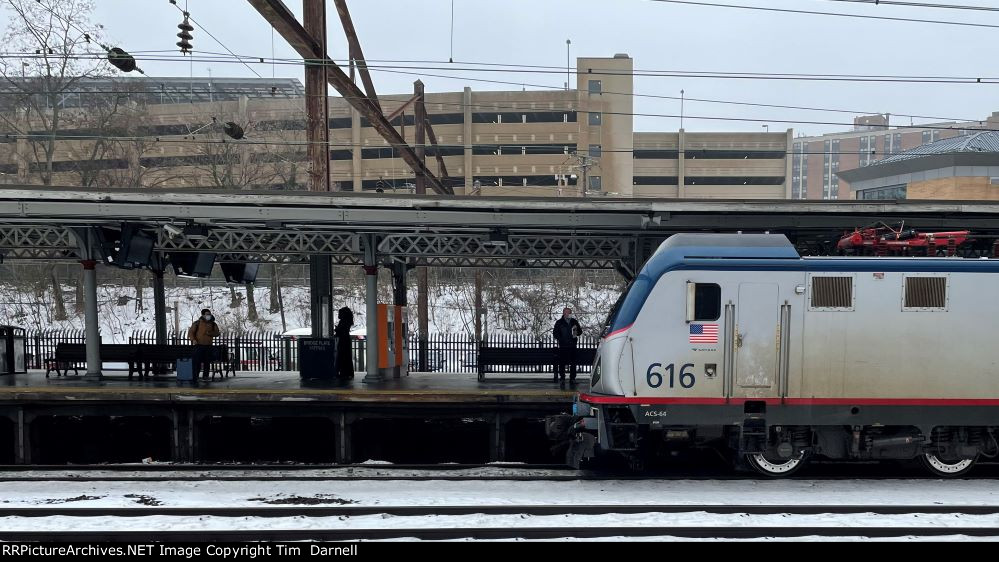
(573, 142)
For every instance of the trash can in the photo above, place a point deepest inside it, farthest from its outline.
(317, 358)
(13, 350)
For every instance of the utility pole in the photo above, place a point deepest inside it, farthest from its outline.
(478, 289)
(583, 163)
(316, 100)
(567, 65)
(681, 109)
(317, 134)
(422, 281)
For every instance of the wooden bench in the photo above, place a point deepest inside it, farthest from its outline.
(539, 357)
(68, 355)
(141, 357)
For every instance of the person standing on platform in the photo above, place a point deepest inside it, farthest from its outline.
(566, 333)
(344, 356)
(202, 333)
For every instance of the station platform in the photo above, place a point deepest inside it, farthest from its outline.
(431, 417)
(269, 386)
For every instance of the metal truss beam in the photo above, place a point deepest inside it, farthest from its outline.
(284, 21)
(233, 245)
(38, 242)
(531, 247)
(238, 257)
(356, 54)
(566, 263)
(264, 242)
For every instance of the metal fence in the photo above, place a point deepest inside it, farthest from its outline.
(269, 351)
(41, 344)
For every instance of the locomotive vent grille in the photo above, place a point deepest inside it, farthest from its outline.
(925, 292)
(832, 292)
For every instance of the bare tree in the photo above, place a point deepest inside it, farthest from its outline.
(141, 280)
(57, 296)
(78, 302)
(57, 55)
(120, 160)
(229, 163)
(251, 304)
(275, 297)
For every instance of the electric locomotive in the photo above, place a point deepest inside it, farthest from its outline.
(735, 341)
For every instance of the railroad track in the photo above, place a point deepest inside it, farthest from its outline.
(494, 533)
(425, 472)
(451, 510)
(342, 528)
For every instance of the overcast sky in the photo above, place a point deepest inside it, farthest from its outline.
(657, 35)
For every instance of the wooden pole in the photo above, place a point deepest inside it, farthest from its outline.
(316, 99)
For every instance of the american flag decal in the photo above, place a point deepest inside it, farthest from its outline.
(704, 333)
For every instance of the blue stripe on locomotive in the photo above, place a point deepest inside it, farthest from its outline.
(763, 252)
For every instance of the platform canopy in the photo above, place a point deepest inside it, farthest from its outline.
(277, 226)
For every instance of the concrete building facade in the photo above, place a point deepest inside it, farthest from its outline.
(575, 142)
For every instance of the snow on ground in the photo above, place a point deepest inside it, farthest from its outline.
(383, 521)
(388, 492)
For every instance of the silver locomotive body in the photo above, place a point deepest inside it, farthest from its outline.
(736, 341)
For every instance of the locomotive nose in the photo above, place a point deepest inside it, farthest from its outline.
(605, 377)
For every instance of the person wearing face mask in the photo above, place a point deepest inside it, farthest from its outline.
(201, 334)
(566, 333)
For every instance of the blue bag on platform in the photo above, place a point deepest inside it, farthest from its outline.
(185, 369)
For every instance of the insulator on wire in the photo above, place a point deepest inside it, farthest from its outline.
(185, 35)
(121, 60)
(233, 130)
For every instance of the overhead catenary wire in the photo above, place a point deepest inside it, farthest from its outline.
(782, 76)
(919, 5)
(697, 99)
(114, 55)
(655, 96)
(830, 14)
(522, 100)
(347, 145)
(538, 69)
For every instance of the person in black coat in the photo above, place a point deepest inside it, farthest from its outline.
(566, 334)
(344, 356)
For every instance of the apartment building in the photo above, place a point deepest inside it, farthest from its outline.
(816, 161)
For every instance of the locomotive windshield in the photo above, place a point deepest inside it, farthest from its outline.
(628, 304)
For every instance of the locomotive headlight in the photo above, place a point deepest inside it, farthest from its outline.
(595, 377)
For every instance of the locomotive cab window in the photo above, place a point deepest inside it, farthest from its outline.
(703, 301)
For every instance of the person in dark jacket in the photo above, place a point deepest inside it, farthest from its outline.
(202, 333)
(344, 357)
(566, 333)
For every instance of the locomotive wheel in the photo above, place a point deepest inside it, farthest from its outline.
(946, 468)
(775, 467)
